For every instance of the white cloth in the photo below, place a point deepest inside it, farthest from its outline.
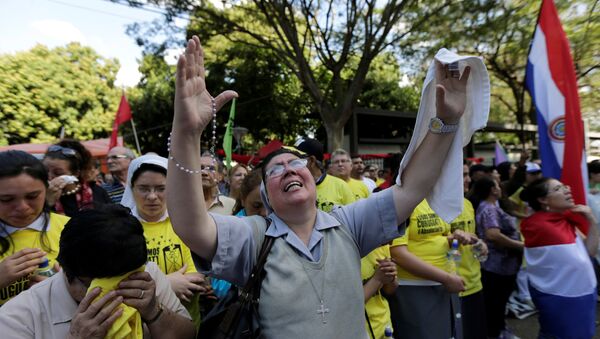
(128, 200)
(446, 198)
(369, 183)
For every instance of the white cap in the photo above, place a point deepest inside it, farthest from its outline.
(532, 167)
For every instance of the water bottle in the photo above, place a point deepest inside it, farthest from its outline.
(44, 269)
(453, 256)
(478, 251)
(388, 333)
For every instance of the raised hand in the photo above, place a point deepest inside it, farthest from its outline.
(193, 102)
(19, 265)
(451, 93)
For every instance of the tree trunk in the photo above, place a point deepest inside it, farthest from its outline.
(335, 136)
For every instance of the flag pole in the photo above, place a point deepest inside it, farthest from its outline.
(137, 142)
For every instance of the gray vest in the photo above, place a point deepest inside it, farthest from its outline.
(288, 303)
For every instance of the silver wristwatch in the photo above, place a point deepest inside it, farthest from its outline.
(437, 126)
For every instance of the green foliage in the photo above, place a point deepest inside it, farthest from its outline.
(152, 105)
(43, 89)
(271, 103)
(382, 90)
(501, 31)
(327, 45)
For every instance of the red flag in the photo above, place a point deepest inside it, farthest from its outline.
(123, 115)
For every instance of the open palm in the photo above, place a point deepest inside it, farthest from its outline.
(193, 102)
(451, 93)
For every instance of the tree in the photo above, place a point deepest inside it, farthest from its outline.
(271, 104)
(318, 41)
(43, 90)
(501, 31)
(152, 104)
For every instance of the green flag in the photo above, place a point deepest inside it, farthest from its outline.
(227, 140)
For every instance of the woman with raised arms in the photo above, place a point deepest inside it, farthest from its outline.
(312, 287)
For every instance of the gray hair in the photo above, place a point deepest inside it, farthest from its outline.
(340, 151)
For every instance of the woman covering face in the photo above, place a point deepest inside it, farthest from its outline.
(69, 166)
(28, 232)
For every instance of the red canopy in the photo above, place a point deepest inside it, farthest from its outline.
(98, 147)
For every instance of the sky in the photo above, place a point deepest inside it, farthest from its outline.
(99, 24)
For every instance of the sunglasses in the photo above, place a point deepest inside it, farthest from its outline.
(118, 156)
(69, 152)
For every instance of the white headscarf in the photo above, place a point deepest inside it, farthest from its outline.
(128, 200)
(265, 198)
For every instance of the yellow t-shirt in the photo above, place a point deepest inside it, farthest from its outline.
(333, 191)
(28, 238)
(359, 189)
(426, 238)
(379, 181)
(377, 307)
(468, 268)
(169, 252)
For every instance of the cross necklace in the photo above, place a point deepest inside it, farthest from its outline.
(322, 309)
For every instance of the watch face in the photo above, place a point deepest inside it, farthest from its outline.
(436, 124)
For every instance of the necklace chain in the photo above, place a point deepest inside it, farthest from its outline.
(321, 310)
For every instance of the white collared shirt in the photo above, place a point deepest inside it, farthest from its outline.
(38, 225)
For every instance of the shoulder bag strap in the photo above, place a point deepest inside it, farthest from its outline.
(251, 291)
(248, 295)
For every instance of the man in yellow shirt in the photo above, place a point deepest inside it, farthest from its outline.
(341, 167)
(331, 190)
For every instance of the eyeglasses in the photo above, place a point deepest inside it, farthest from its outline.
(278, 169)
(341, 161)
(146, 190)
(208, 168)
(69, 152)
(560, 187)
(117, 156)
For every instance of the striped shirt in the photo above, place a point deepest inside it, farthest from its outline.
(115, 191)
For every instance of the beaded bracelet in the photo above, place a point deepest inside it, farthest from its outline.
(212, 148)
(178, 165)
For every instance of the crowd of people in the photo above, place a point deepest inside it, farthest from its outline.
(149, 249)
